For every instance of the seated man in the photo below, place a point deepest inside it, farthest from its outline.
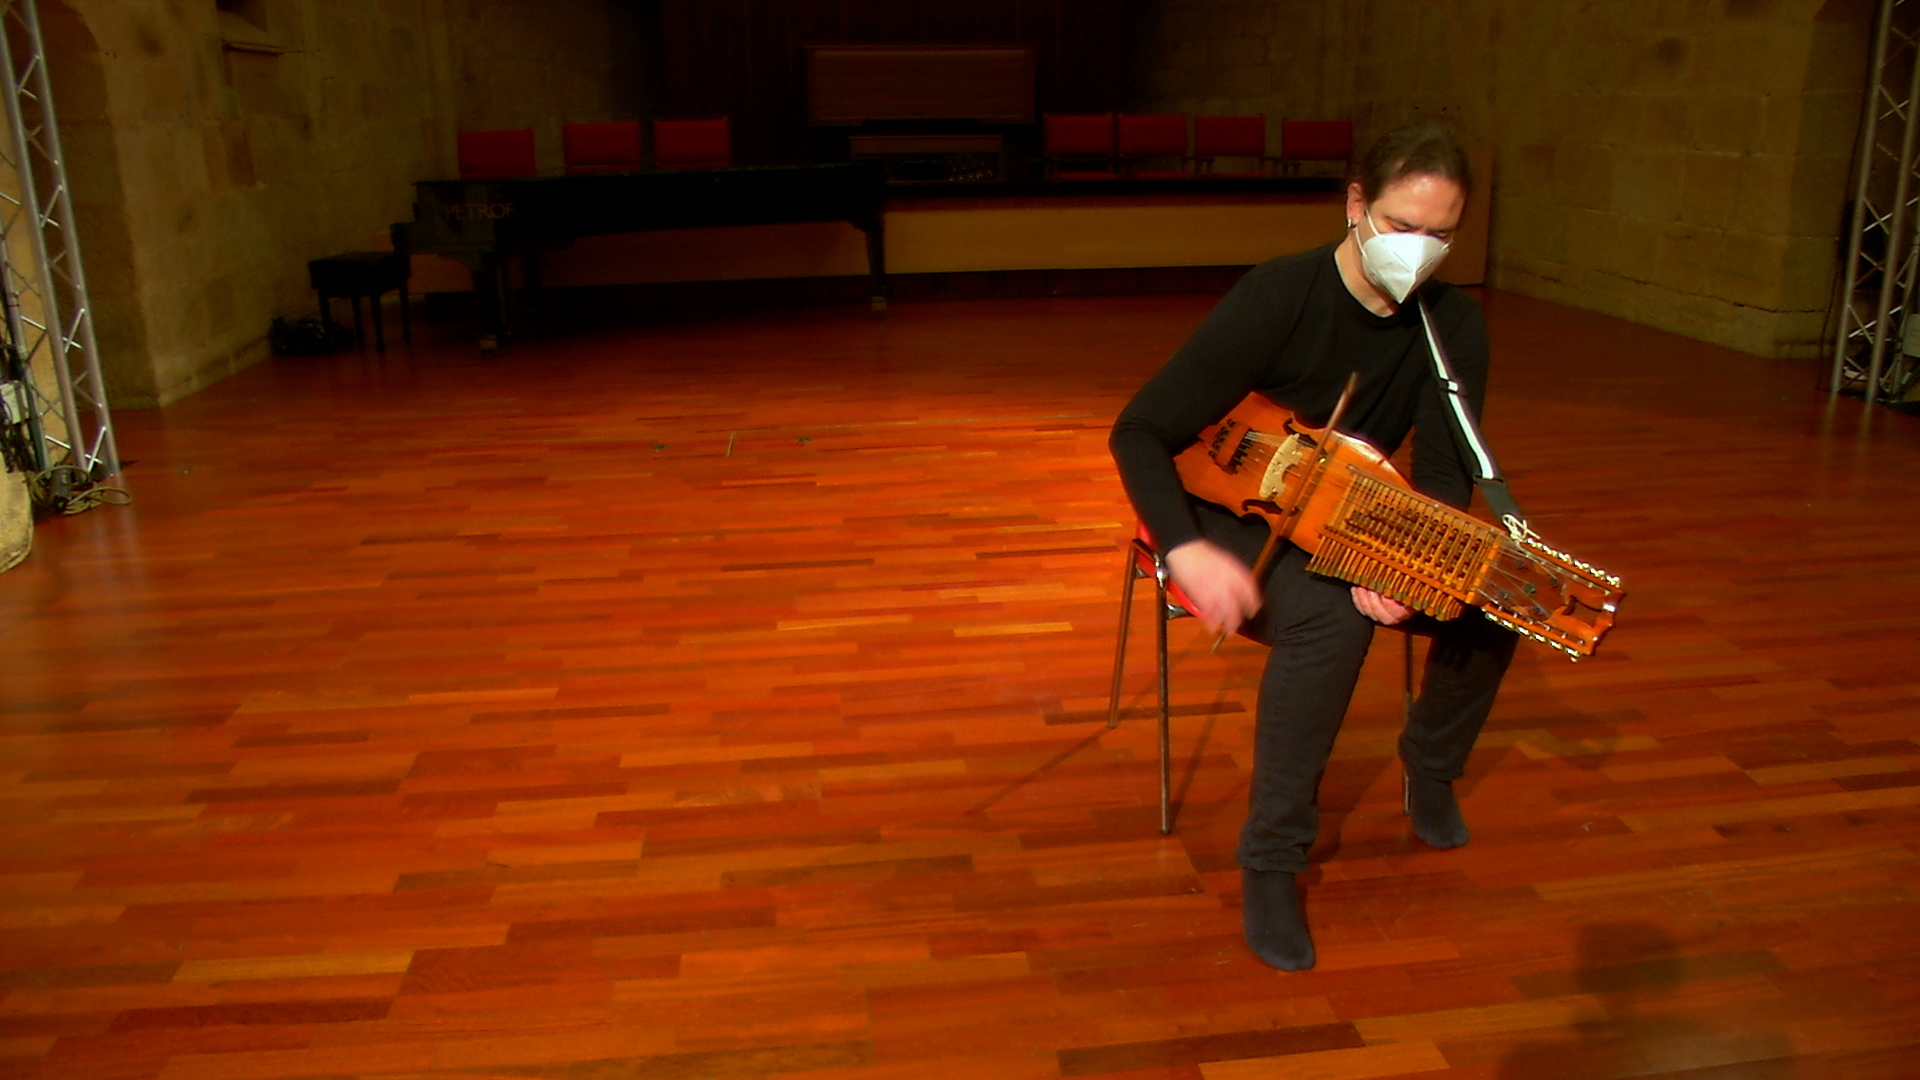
(1295, 328)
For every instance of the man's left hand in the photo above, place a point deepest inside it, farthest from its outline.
(1381, 609)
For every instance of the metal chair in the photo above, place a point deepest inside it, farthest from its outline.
(1235, 137)
(693, 144)
(601, 148)
(1082, 141)
(1145, 560)
(1315, 140)
(1144, 137)
(496, 155)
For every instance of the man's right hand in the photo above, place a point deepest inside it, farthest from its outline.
(1220, 586)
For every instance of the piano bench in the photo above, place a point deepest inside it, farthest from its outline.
(371, 274)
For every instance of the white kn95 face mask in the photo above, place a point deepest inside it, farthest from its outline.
(1398, 262)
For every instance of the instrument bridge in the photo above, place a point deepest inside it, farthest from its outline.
(1292, 450)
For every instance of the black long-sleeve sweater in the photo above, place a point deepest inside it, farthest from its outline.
(1291, 330)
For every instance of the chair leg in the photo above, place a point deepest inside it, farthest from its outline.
(1120, 649)
(1166, 718)
(379, 323)
(1406, 688)
(1161, 617)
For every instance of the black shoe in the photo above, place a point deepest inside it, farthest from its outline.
(1276, 927)
(1434, 810)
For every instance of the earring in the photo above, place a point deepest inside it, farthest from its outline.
(1350, 223)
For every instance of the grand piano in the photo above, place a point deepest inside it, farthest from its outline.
(484, 223)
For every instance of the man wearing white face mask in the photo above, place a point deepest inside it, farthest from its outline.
(1294, 329)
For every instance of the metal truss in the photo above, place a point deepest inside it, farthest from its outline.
(48, 320)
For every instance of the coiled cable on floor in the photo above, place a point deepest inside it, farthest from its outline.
(68, 489)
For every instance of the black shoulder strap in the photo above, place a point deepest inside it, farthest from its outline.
(1486, 471)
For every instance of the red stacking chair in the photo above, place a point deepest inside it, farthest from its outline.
(1085, 141)
(1230, 137)
(692, 144)
(601, 148)
(497, 155)
(1316, 140)
(1145, 137)
(1145, 560)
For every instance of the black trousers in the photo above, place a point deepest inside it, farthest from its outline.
(1317, 641)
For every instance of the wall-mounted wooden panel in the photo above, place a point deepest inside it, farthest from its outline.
(746, 58)
(849, 85)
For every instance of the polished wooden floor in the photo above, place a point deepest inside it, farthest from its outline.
(723, 699)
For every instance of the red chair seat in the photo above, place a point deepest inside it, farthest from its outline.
(1144, 565)
(1143, 137)
(1229, 137)
(692, 144)
(1084, 142)
(1316, 140)
(601, 148)
(497, 155)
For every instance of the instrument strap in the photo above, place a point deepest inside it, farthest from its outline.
(1486, 471)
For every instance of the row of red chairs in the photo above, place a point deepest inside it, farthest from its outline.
(599, 148)
(1106, 146)
(1100, 146)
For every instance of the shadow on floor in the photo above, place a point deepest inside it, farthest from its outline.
(1637, 975)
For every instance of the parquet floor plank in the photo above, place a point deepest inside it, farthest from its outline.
(727, 697)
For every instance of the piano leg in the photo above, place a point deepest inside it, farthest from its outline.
(503, 292)
(876, 231)
(489, 297)
(530, 270)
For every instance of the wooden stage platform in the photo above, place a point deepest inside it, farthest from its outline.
(723, 698)
(960, 229)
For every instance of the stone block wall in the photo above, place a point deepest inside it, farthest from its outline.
(1680, 163)
(16, 520)
(544, 64)
(1240, 57)
(209, 175)
(217, 145)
